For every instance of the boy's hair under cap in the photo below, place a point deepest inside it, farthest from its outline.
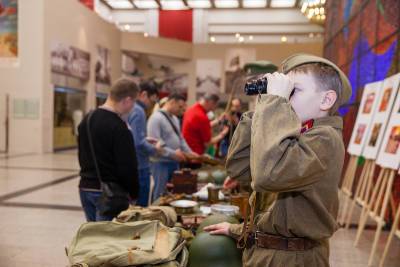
(300, 59)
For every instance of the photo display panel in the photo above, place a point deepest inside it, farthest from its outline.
(368, 106)
(389, 153)
(379, 122)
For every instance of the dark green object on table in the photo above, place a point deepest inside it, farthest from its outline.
(214, 250)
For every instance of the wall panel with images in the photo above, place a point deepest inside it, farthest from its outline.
(369, 103)
(389, 154)
(235, 59)
(380, 120)
(208, 76)
(103, 69)
(8, 32)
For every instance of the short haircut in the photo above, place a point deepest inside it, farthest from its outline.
(176, 97)
(211, 97)
(150, 87)
(123, 88)
(238, 99)
(327, 78)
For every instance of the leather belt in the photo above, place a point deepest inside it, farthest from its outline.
(268, 241)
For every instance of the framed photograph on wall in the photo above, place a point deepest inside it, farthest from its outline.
(8, 32)
(381, 117)
(208, 76)
(368, 106)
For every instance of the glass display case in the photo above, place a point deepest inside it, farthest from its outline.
(69, 109)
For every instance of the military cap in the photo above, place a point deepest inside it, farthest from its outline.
(259, 67)
(301, 59)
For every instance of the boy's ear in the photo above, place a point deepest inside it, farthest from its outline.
(328, 100)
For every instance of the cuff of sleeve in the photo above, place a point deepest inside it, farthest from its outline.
(235, 230)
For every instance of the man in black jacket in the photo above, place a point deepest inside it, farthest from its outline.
(113, 146)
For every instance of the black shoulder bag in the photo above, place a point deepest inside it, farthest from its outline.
(114, 198)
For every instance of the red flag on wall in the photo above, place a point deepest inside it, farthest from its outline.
(88, 3)
(176, 24)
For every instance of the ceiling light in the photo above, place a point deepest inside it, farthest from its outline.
(283, 3)
(120, 4)
(241, 39)
(199, 3)
(237, 35)
(251, 37)
(145, 4)
(146, 34)
(254, 3)
(226, 3)
(127, 27)
(283, 39)
(173, 4)
(212, 39)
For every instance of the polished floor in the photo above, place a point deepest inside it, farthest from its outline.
(40, 212)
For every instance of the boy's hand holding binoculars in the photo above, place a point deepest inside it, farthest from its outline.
(279, 84)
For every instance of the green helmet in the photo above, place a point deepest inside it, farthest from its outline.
(214, 219)
(214, 250)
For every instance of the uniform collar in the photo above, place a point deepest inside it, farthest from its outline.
(333, 121)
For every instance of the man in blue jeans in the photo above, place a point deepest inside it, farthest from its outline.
(145, 147)
(164, 126)
(114, 151)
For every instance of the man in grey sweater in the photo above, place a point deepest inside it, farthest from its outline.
(164, 126)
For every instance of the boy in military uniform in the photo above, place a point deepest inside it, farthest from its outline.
(296, 151)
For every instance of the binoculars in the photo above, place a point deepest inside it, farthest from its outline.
(258, 86)
(255, 87)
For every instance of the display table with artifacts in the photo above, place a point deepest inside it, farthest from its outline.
(173, 224)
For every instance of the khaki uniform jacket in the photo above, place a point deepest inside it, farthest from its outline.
(303, 169)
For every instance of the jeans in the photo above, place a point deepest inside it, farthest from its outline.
(162, 173)
(89, 200)
(144, 187)
(223, 147)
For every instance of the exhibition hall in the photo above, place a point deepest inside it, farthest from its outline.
(200, 133)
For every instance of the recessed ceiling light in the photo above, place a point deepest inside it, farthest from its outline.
(127, 27)
(241, 39)
(199, 3)
(212, 39)
(120, 4)
(283, 3)
(283, 39)
(237, 35)
(254, 3)
(226, 3)
(145, 4)
(251, 37)
(173, 4)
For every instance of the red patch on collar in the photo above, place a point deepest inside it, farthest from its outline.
(307, 126)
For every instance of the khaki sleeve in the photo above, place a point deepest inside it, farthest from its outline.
(238, 158)
(282, 159)
(235, 230)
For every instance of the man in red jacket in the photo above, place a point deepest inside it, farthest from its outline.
(196, 127)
